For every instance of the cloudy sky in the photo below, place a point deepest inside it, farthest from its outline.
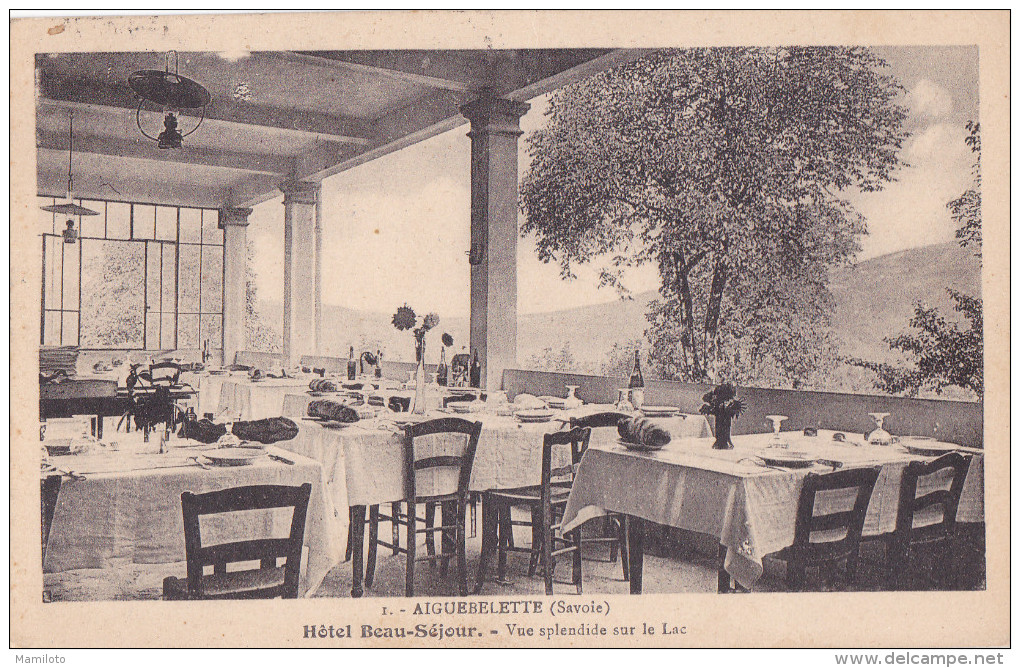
(411, 210)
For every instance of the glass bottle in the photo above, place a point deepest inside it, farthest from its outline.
(637, 383)
(352, 366)
(378, 364)
(476, 370)
(442, 374)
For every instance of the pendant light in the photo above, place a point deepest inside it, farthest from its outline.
(68, 207)
(172, 93)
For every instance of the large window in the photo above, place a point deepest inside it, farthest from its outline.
(139, 277)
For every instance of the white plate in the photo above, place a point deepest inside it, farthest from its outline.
(791, 459)
(233, 456)
(534, 415)
(927, 448)
(659, 411)
(640, 447)
(460, 406)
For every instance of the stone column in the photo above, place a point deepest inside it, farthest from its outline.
(234, 223)
(495, 127)
(300, 293)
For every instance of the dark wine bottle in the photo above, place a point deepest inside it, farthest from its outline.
(636, 380)
(476, 370)
(352, 366)
(378, 364)
(442, 373)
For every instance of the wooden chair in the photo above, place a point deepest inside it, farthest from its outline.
(546, 502)
(938, 536)
(615, 529)
(453, 504)
(826, 554)
(268, 581)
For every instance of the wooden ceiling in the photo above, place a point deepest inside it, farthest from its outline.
(274, 115)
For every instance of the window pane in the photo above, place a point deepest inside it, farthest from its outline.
(51, 329)
(153, 278)
(189, 276)
(211, 331)
(112, 294)
(212, 279)
(71, 276)
(166, 223)
(168, 339)
(118, 220)
(70, 337)
(187, 331)
(54, 245)
(169, 299)
(211, 233)
(92, 226)
(152, 331)
(191, 225)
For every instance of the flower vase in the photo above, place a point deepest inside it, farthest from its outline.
(722, 433)
(418, 403)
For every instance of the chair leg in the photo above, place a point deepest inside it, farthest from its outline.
(577, 558)
(852, 561)
(448, 536)
(896, 565)
(462, 546)
(795, 575)
(394, 527)
(430, 538)
(350, 535)
(611, 527)
(505, 540)
(412, 518)
(489, 538)
(548, 567)
(536, 540)
(373, 544)
(474, 514)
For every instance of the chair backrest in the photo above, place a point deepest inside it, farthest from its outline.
(463, 460)
(165, 374)
(849, 521)
(949, 499)
(265, 550)
(258, 360)
(330, 364)
(577, 438)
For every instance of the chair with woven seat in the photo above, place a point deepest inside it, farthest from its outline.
(546, 501)
(615, 529)
(938, 536)
(453, 501)
(269, 580)
(827, 552)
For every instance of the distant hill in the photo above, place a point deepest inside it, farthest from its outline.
(874, 299)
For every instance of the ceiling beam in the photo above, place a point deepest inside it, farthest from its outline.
(528, 75)
(52, 183)
(146, 150)
(69, 89)
(436, 69)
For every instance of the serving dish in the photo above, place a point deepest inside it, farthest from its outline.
(790, 459)
(639, 447)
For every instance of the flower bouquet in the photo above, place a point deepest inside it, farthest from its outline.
(406, 319)
(721, 403)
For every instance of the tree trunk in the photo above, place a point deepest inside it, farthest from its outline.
(687, 305)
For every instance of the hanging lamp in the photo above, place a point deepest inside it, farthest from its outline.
(68, 207)
(171, 92)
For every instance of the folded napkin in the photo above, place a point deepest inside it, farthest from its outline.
(332, 410)
(322, 385)
(267, 430)
(528, 401)
(643, 431)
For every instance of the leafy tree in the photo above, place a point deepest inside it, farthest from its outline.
(726, 167)
(259, 334)
(112, 294)
(942, 352)
(553, 360)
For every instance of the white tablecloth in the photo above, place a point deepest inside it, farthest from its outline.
(364, 464)
(243, 399)
(127, 510)
(749, 508)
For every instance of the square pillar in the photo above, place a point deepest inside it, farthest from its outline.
(234, 223)
(495, 128)
(300, 290)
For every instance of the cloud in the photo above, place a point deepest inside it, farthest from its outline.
(928, 100)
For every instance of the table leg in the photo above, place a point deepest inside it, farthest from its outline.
(636, 552)
(358, 544)
(99, 427)
(724, 577)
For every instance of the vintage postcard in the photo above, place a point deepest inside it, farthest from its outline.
(510, 329)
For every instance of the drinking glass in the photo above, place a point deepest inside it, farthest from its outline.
(623, 403)
(880, 436)
(776, 441)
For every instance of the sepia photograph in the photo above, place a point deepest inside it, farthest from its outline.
(485, 338)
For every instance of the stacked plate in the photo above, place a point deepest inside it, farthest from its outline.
(461, 406)
(659, 411)
(558, 403)
(789, 458)
(534, 415)
(234, 456)
(927, 447)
